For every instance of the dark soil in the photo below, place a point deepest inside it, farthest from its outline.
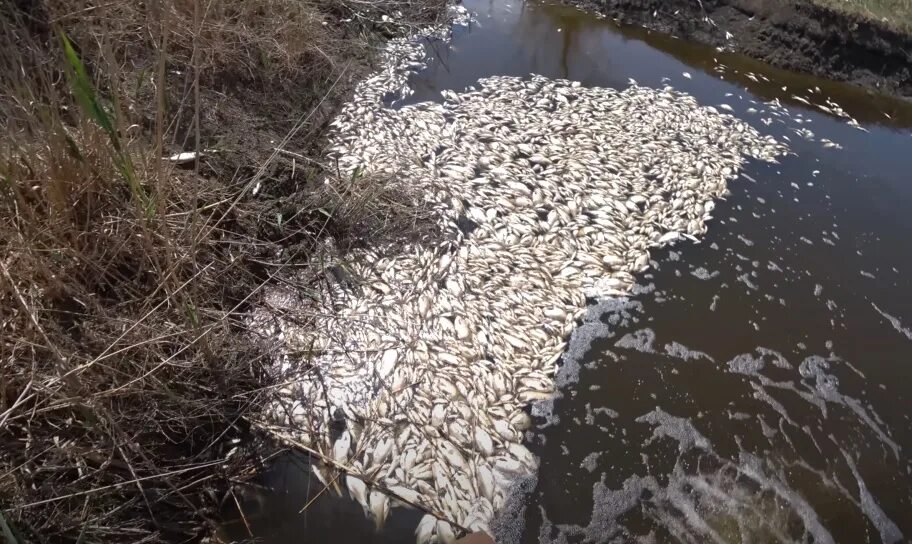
(791, 34)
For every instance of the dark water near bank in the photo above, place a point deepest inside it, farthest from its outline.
(758, 387)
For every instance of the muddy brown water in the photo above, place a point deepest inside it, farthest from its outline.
(757, 386)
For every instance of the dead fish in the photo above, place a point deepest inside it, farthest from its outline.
(408, 494)
(379, 507)
(445, 532)
(485, 481)
(523, 455)
(341, 447)
(387, 363)
(483, 442)
(382, 451)
(453, 456)
(184, 157)
(425, 529)
(503, 429)
(531, 210)
(462, 328)
(357, 489)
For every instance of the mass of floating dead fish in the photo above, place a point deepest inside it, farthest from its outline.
(418, 372)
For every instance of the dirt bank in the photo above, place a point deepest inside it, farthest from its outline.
(795, 35)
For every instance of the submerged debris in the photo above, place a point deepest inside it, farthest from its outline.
(433, 362)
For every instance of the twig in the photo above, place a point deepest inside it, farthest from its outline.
(317, 496)
(61, 360)
(134, 325)
(113, 486)
(300, 156)
(241, 512)
(20, 400)
(142, 490)
(81, 12)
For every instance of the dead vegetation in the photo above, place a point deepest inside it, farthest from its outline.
(126, 372)
(893, 14)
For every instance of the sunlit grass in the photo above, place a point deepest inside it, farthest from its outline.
(896, 14)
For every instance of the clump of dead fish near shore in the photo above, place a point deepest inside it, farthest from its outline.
(544, 192)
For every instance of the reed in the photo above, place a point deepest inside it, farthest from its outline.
(126, 370)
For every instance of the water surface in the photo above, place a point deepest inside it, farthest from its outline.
(757, 387)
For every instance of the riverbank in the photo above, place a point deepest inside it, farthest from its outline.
(843, 41)
(160, 164)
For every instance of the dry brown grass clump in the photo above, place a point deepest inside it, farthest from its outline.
(126, 372)
(893, 14)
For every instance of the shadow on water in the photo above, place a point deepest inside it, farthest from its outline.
(757, 387)
(287, 504)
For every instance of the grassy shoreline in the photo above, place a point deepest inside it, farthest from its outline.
(125, 276)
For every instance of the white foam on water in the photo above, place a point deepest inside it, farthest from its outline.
(889, 532)
(619, 311)
(590, 463)
(826, 387)
(703, 274)
(641, 340)
(680, 429)
(729, 500)
(896, 323)
(677, 350)
(747, 497)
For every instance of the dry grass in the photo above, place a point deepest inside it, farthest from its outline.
(126, 372)
(895, 14)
